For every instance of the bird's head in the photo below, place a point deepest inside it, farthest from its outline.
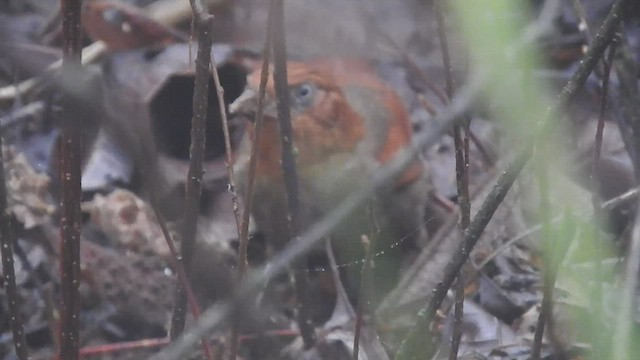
(323, 122)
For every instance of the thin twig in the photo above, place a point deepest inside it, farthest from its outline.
(251, 176)
(70, 174)
(284, 116)
(444, 46)
(196, 154)
(253, 159)
(413, 347)
(596, 199)
(11, 92)
(227, 143)
(458, 312)
(620, 199)
(545, 210)
(422, 100)
(465, 201)
(182, 275)
(22, 114)
(601, 41)
(604, 92)
(462, 176)
(486, 155)
(289, 170)
(244, 240)
(105, 349)
(7, 241)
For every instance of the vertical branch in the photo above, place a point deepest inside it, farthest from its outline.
(462, 176)
(284, 115)
(227, 142)
(596, 200)
(545, 209)
(70, 175)
(242, 255)
(463, 198)
(7, 241)
(604, 95)
(253, 159)
(202, 21)
(289, 163)
(253, 165)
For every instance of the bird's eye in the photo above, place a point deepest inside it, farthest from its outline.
(113, 16)
(302, 95)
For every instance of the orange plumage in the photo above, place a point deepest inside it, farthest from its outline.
(346, 124)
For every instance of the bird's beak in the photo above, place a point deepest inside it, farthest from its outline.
(246, 105)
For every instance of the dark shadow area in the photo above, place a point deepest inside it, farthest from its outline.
(171, 112)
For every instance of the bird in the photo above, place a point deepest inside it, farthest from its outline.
(123, 27)
(347, 123)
